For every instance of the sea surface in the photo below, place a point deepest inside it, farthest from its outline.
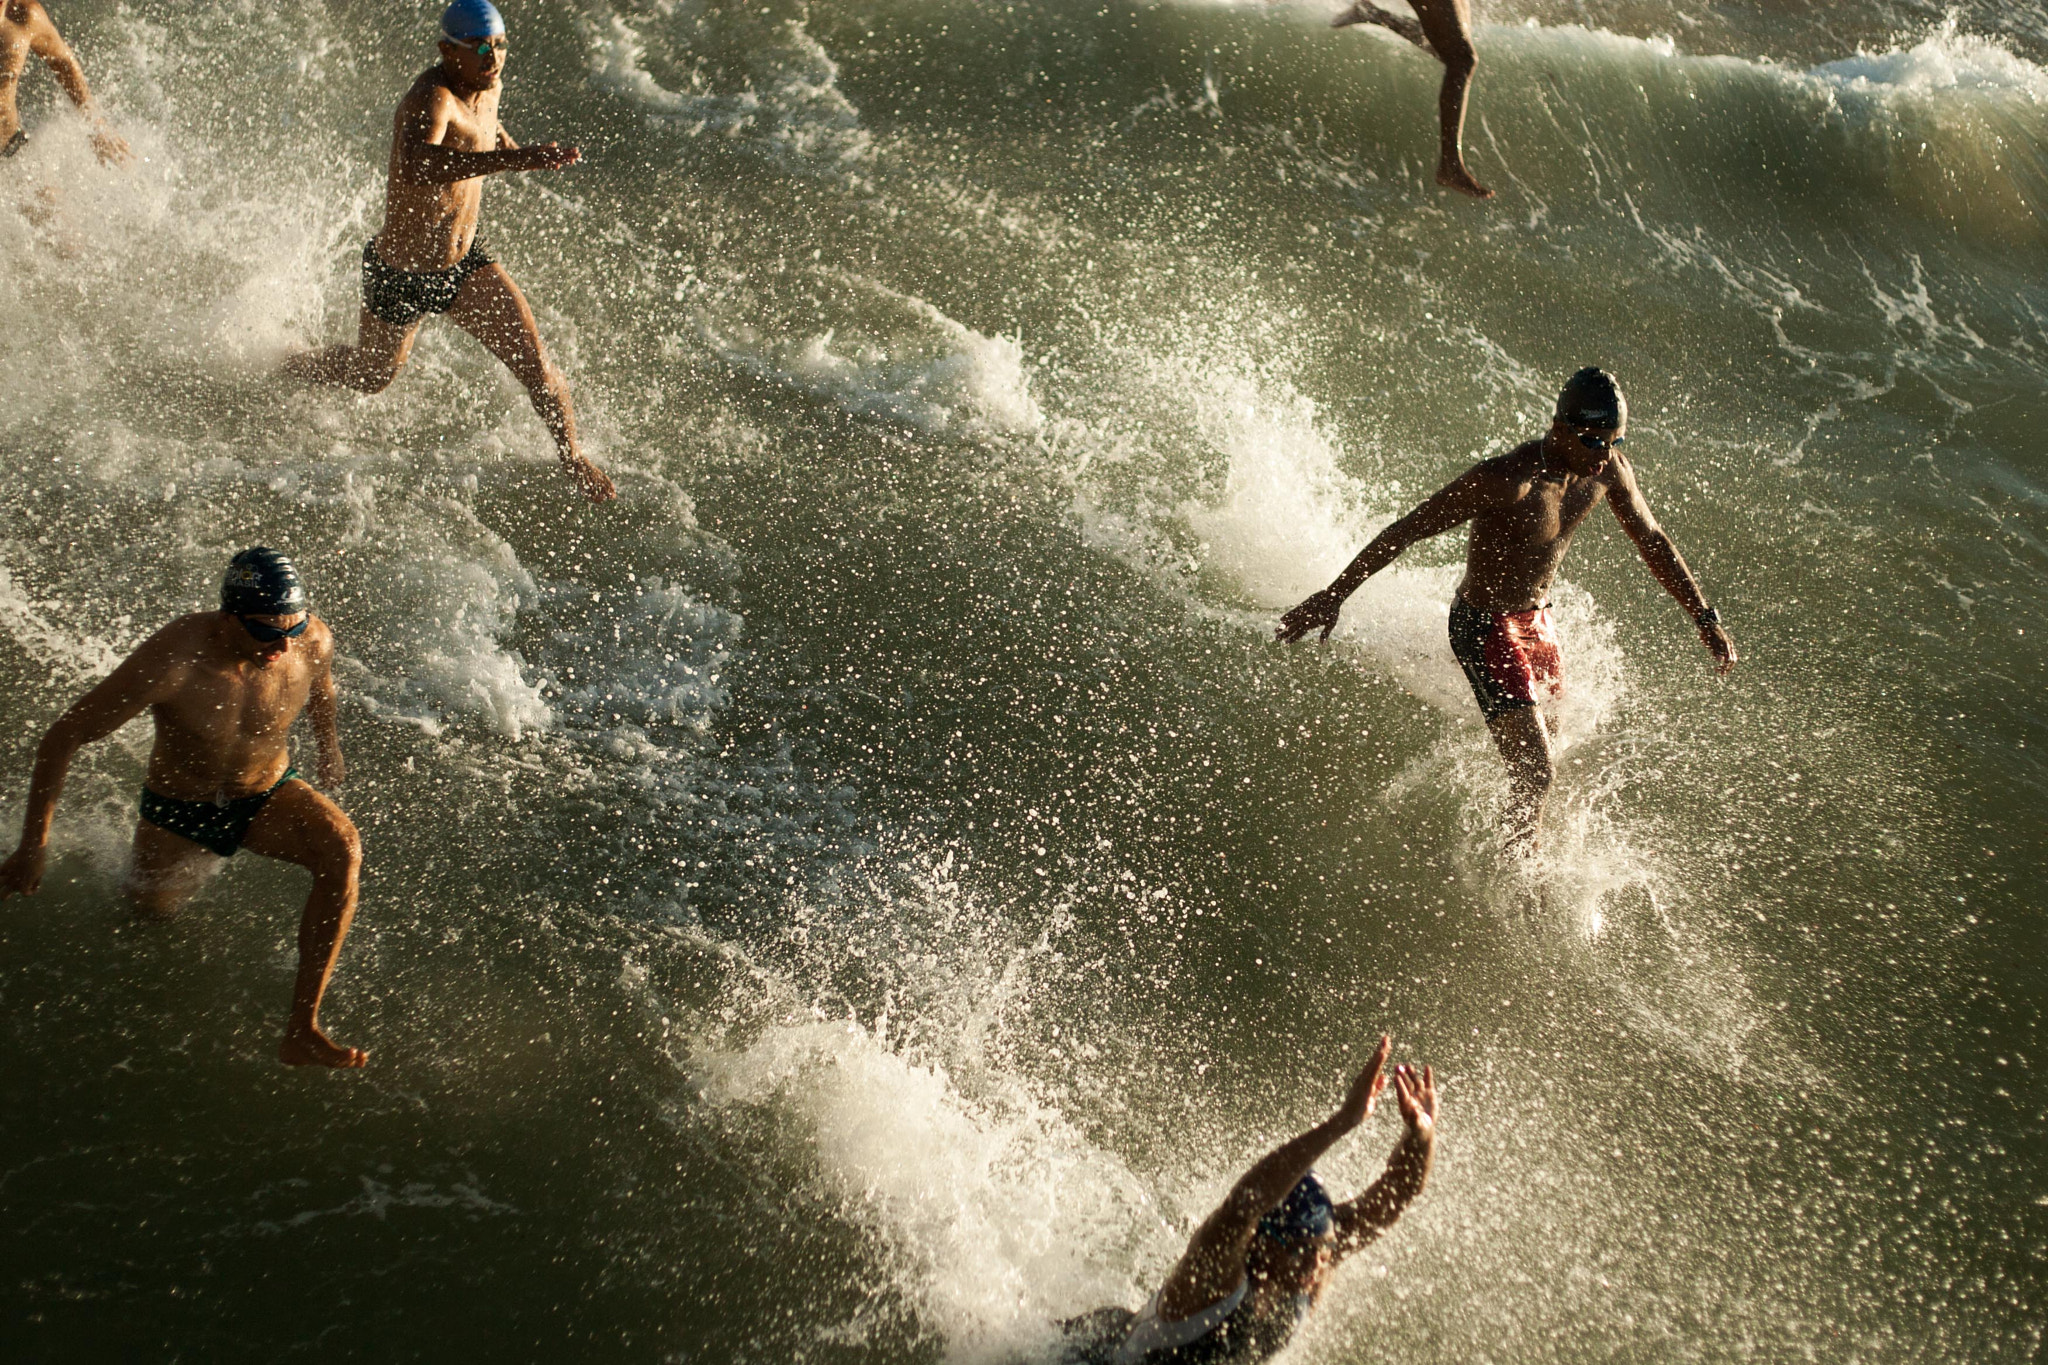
(864, 894)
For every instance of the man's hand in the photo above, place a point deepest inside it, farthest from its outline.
(1720, 645)
(595, 483)
(1415, 1092)
(22, 873)
(333, 770)
(546, 156)
(1320, 610)
(1365, 1090)
(108, 146)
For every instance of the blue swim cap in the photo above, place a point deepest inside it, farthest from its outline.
(469, 20)
(262, 582)
(1303, 1216)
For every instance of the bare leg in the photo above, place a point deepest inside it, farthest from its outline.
(301, 826)
(369, 366)
(491, 309)
(1448, 25)
(1366, 12)
(1524, 744)
(166, 871)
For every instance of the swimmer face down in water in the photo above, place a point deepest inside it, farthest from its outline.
(429, 258)
(1524, 507)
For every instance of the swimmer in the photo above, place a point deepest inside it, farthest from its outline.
(429, 258)
(1446, 33)
(224, 688)
(1260, 1262)
(25, 28)
(1524, 507)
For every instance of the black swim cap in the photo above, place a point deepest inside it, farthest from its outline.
(262, 582)
(1591, 398)
(1303, 1216)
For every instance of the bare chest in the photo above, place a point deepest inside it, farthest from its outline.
(474, 129)
(226, 705)
(1547, 512)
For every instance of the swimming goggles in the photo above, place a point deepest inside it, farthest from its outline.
(1592, 442)
(482, 47)
(270, 635)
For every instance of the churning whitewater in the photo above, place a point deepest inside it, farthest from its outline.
(866, 892)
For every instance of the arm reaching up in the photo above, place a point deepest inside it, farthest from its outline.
(1213, 1265)
(1372, 1213)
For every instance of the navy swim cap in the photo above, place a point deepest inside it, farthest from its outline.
(1303, 1216)
(1591, 398)
(262, 582)
(469, 20)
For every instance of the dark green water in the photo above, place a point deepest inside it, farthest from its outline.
(861, 895)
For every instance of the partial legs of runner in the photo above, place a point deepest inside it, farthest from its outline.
(491, 309)
(1448, 25)
(1524, 743)
(165, 871)
(299, 825)
(369, 366)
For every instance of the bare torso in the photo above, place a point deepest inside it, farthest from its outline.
(224, 731)
(429, 226)
(1515, 549)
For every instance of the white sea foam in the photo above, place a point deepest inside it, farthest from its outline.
(885, 355)
(1946, 60)
(787, 102)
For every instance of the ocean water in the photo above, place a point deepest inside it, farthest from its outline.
(861, 896)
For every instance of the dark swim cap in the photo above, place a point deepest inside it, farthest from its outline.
(262, 582)
(469, 20)
(1591, 398)
(1303, 1216)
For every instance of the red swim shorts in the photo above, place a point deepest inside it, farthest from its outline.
(1510, 658)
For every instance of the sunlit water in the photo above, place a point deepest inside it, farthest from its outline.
(862, 895)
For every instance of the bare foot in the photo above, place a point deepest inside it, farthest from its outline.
(1365, 12)
(1454, 176)
(308, 1046)
(596, 485)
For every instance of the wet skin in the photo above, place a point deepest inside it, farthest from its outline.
(1445, 32)
(1226, 1248)
(223, 704)
(445, 139)
(1524, 507)
(25, 31)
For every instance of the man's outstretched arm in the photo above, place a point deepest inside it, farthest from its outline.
(1664, 561)
(423, 160)
(1213, 1264)
(56, 54)
(1372, 1213)
(1456, 503)
(141, 680)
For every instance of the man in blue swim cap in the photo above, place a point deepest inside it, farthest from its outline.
(223, 688)
(1524, 507)
(429, 257)
(25, 31)
(1260, 1262)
